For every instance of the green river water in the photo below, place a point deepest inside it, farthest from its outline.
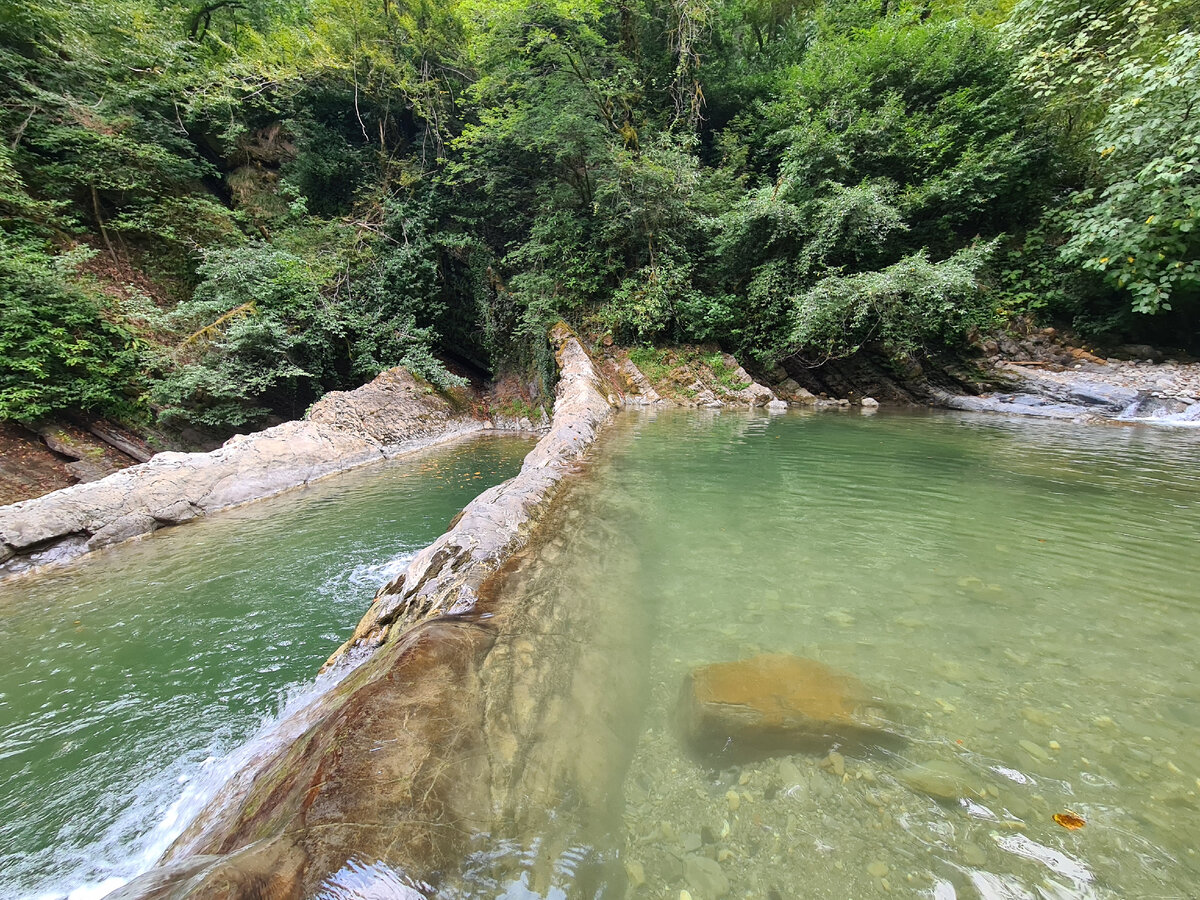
(129, 680)
(1022, 594)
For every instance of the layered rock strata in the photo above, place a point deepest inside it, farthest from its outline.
(445, 730)
(393, 414)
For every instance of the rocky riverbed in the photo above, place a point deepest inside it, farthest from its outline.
(1040, 375)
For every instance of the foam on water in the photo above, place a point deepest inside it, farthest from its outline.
(136, 681)
(172, 801)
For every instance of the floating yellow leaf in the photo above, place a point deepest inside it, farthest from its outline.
(1069, 820)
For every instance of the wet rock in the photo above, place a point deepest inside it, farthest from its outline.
(705, 877)
(122, 529)
(789, 773)
(1109, 396)
(870, 403)
(393, 414)
(790, 389)
(941, 779)
(835, 763)
(453, 727)
(1154, 408)
(635, 872)
(774, 704)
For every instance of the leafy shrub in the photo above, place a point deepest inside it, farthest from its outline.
(57, 350)
(1141, 228)
(907, 307)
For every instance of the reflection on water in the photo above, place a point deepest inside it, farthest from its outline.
(378, 881)
(127, 679)
(1022, 595)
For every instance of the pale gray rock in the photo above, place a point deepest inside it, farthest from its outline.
(393, 414)
(122, 529)
(417, 747)
(641, 392)
(941, 779)
(705, 877)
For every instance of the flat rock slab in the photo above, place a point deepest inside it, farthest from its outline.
(775, 704)
(393, 414)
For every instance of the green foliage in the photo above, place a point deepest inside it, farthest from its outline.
(311, 193)
(1119, 85)
(263, 320)
(653, 362)
(725, 376)
(909, 307)
(57, 350)
(1140, 227)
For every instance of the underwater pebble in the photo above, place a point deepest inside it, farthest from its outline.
(1034, 750)
(734, 801)
(636, 873)
(877, 869)
(1036, 716)
(941, 779)
(706, 876)
(973, 855)
(835, 763)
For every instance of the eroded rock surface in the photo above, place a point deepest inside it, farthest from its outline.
(393, 414)
(465, 720)
(776, 703)
(446, 576)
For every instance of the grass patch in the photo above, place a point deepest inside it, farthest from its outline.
(654, 363)
(723, 374)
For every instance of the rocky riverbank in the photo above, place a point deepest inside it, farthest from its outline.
(394, 770)
(1040, 374)
(393, 414)
(1028, 371)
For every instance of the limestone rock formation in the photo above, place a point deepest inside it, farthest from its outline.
(776, 703)
(463, 720)
(393, 414)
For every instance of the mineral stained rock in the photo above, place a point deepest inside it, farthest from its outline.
(776, 704)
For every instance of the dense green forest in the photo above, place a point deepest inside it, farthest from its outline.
(218, 209)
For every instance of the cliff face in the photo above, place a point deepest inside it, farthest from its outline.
(392, 414)
(421, 746)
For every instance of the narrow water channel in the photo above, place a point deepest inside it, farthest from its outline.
(127, 680)
(1021, 595)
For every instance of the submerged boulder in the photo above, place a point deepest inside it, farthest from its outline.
(776, 703)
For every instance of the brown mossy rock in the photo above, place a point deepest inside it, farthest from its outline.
(774, 704)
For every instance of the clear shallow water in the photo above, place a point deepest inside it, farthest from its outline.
(128, 679)
(1024, 595)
